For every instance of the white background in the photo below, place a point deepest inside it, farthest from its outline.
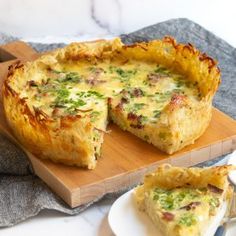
(60, 19)
(67, 20)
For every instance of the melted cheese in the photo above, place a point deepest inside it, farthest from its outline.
(182, 211)
(82, 88)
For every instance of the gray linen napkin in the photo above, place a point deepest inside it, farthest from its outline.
(23, 195)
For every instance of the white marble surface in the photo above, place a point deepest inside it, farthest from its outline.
(91, 222)
(56, 20)
(71, 20)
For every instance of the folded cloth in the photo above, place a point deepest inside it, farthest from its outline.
(23, 195)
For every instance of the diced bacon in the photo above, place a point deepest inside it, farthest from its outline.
(177, 99)
(93, 81)
(124, 100)
(31, 83)
(168, 216)
(132, 116)
(191, 206)
(137, 126)
(154, 77)
(215, 189)
(124, 92)
(56, 111)
(93, 77)
(136, 120)
(137, 92)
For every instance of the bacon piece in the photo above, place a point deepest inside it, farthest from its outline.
(177, 100)
(137, 126)
(191, 206)
(137, 92)
(93, 81)
(136, 119)
(215, 189)
(93, 77)
(154, 77)
(119, 106)
(56, 111)
(32, 83)
(132, 116)
(168, 216)
(124, 92)
(122, 102)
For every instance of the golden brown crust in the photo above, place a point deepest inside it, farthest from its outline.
(168, 177)
(66, 139)
(172, 178)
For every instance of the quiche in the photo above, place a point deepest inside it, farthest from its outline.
(183, 201)
(59, 105)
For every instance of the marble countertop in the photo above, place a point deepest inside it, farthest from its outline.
(92, 221)
(71, 20)
(84, 20)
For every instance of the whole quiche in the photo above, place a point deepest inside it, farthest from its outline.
(59, 105)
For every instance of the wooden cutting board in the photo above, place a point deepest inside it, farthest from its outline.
(125, 158)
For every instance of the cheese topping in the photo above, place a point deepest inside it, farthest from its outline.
(186, 206)
(137, 88)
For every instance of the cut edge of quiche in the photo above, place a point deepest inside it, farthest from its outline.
(75, 138)
(184, 201)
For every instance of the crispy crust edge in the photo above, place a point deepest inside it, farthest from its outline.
(95, 50)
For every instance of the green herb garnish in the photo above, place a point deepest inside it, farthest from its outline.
(95, 93)
(214, 202)
(138, 106)
(73, 77)
(63, 93)
(94, 115)
(157, 113)
(188, 219)
(161, 70)
(124, 74)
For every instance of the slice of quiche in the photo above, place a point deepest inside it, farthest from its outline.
(58, 106)
(183, 201)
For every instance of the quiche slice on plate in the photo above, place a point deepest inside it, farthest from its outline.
(183, 201)
(58, 106)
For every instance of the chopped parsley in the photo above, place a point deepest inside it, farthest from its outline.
(73, 105)
(95, 93)
(170, 200)
(144, 119)
(62, 100)
(123, 75)
(63, 93)
(180, 83)
(94, 115)
(214, 202)
(188, 219)
(161, 70)
(161, 97)
(157, 113)
(73, 77)
(138, 106)
(90, 93)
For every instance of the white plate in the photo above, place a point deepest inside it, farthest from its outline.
(232, 161)
(125, 219)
